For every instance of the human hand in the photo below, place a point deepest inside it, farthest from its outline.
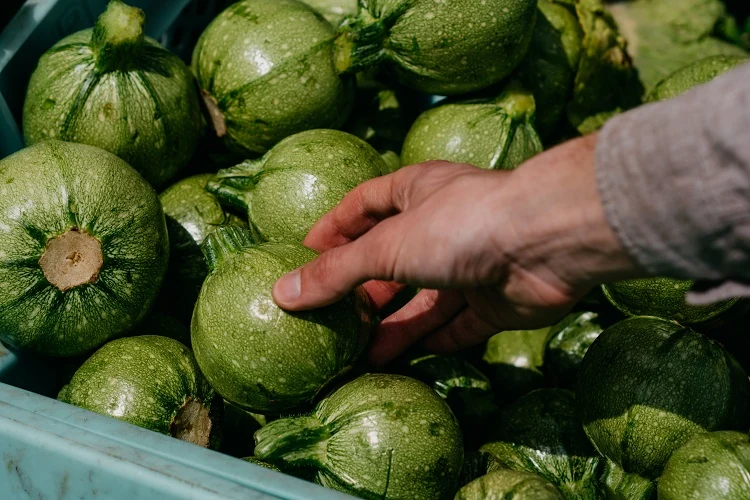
(492, 250)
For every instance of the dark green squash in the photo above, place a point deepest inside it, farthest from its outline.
(714, 465)
(379, 436)
(665, 298)
(647, 385)
(513, 361)
(567, 344)
(542, 434)
(266, 72)
(302, 178)
(192, 213)
(444, 48)
(83, 249)
(114, 88)
(153, 382)
(256, 355)
(493, 133)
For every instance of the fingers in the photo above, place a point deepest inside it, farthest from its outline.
(465, 330)
(382, 292)
(377, 199)
(337, 271)
(360, 210)
(428, 310)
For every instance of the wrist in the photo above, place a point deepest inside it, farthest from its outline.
(566, 232)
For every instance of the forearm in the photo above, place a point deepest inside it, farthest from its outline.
(674, 179)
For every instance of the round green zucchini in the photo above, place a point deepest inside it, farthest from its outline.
(302, 178)
(266, 72)
(508, 484)
(445, 48)
(378, 436)
(115, 88)
(542, 434)
(493, 133)
(83, 250)
(153, 382)
(647, 385)
(714, 465)
(698, 73)
(253, 353)
(513, 361)
(665, 298)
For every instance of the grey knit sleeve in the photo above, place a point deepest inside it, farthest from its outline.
(674, 178)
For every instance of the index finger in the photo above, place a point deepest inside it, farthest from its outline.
(360, 210)
(377, 199)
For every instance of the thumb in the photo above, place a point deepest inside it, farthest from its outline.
(336, 272)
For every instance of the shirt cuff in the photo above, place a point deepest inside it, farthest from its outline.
(674, 179)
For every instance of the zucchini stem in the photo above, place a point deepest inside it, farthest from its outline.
(233, 186)
(117, 39)
(223, 243)
(359, 45)
(72, 259)
(299, 441)
(192, 423)
(228, 195)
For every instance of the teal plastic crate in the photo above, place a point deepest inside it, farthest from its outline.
(54, 450)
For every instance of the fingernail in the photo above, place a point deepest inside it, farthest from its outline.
(289, 287)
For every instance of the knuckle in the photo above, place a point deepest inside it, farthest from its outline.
(320, 271)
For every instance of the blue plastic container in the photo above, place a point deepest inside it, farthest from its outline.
(54, 450)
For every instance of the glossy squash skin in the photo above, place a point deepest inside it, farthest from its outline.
(153, 382)
(378, 436)
(256, 355)
(265, 70)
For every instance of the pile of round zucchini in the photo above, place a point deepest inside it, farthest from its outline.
(158, 308)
